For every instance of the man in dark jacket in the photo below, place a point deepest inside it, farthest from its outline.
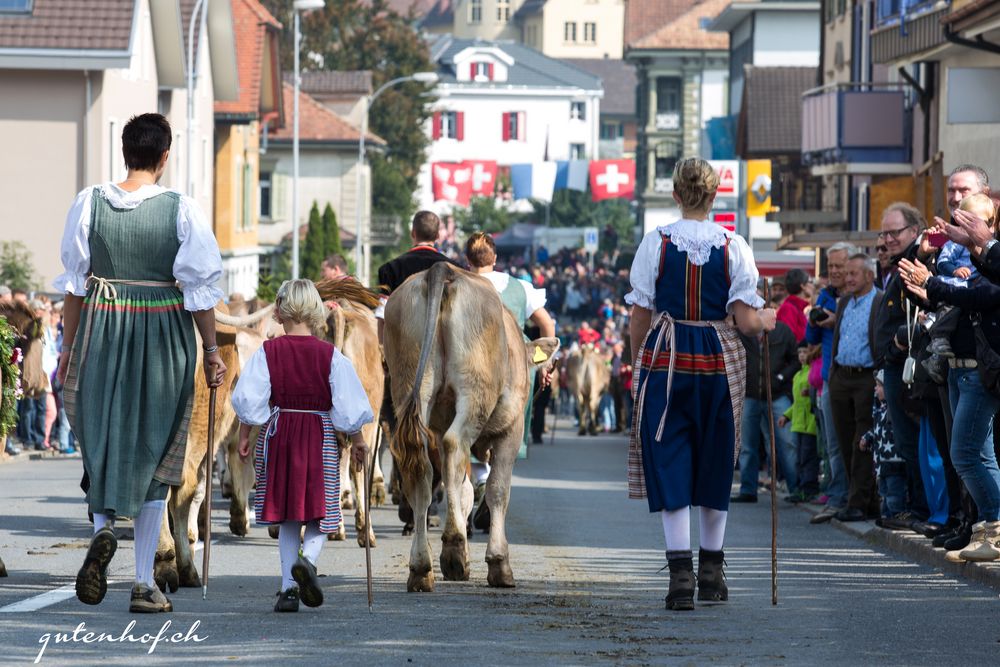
(784, 364)
(901, 227)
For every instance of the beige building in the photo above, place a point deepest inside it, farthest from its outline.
(574, 28)
(72, 73)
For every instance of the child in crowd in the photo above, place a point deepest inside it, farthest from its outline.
(954, 266)
(889, 466)
(302, 390)
(803, 421)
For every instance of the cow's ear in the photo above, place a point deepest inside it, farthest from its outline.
(541, 350)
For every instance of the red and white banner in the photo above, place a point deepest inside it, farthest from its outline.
(484, 177)
(610, 179)
(452, 181)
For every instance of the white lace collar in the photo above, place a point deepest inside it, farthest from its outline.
(696, 238)
(120, 198)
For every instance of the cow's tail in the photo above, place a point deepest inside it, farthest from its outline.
(411, 433)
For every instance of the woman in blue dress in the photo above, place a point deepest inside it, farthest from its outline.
(694, 287)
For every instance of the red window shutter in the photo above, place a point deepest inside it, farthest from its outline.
(522, 126)
(489, 71)
(436, 125)
(472, 71)
(459, 125)
(506, 127)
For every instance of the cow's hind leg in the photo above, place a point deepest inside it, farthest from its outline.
(417, 488)
(455, 548)
(497, 498)
(180, 507)
(241, 477)
(165, 562)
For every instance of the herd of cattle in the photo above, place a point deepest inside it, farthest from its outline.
(458, 369)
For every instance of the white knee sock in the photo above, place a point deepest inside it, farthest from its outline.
(712, 529)
(313, 541)
(101, 520)
(480, 472)
(677, 529)
(288, 547)
(147, 536)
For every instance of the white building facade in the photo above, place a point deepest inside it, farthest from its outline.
(507, 102)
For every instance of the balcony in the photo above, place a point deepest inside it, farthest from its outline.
(902, 32)
(855, 129)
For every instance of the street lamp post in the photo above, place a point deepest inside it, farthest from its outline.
(198, 15)
(360, 266)
(297, 6)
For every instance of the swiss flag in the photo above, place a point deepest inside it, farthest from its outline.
(484, 176)
(610, 179)
(452, 182)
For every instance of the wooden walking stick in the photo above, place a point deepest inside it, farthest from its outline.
(368, 516)
(774, 458)
(210, 458)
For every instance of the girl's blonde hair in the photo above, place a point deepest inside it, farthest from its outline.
(695, 184)
(299, 301)
(981, 205)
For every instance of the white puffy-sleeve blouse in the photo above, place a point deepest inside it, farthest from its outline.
(697, 238)
(350, 411)
(197, 267)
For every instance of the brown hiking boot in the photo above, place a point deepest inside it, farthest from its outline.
(92, 580)
(711, 576)
(146, 600)
(680, 595)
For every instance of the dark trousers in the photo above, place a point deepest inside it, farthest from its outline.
(906, 431)
(807, 463)
(538, 410)
(851, 396)
(940, 421)
(31, 420)
(618, 398)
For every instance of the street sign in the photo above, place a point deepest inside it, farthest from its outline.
(758, 188)
(729, 177)
(590, 239)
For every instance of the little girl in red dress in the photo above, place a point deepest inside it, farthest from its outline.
(301, 391)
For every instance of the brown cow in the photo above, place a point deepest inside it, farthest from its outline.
(587, 378)
(458, 368)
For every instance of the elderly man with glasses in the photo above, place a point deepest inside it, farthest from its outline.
(901, 228)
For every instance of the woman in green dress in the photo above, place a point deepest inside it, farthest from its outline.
(141, 263)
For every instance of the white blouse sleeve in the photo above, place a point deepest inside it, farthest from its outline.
(743, 275)
(198, 265)
(645, 266)
(75, 248)
(351, 409)
(252, 396)
(534, 298)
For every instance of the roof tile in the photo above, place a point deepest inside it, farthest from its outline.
(317, 123)
(685, 31)
(644, 17)
(70, 24)
(771, 113)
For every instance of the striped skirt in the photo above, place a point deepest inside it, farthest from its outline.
(297, 468)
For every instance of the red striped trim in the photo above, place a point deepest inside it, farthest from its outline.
(119, 308)
(663, 254)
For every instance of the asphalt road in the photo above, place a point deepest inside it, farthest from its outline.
(586, 561)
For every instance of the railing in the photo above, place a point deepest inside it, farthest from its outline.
(855, 123)
(892, 12)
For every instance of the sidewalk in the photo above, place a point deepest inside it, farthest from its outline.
(915, 547)
(34, 455)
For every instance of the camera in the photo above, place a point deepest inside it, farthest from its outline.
(817, 315)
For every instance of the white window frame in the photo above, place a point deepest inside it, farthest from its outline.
(578, 110)
(475, 12)
(503, 11)
(590, 32)
(569, 32)
(449, 124)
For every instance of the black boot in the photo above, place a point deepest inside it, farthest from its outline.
(960, 540)
(680, 595)
(711, 576)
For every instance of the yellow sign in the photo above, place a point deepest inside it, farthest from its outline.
(758, 188)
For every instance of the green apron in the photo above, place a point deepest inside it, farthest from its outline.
(514, 297)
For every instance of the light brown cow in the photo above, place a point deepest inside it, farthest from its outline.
(458, 368)
(174, 564)
(587, 378)
(352, 328)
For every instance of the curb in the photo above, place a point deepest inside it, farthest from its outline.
(36, 456)
(916, 547)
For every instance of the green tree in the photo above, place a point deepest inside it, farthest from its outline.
(17, 270)
(370, 35)
(572, 208)
(311, 255)
(483, 215)
(331, 233)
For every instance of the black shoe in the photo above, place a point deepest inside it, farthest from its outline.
(92, 580)
(744, 498)
(850, 514)
(929, 529)
(537, 440)
(941, 539)
(288, 600)
(901, 521)
(960, 540)
(304, 574)
(712, 577)
(680, 594)
(481, 519)
(824, 515)
(11, 450)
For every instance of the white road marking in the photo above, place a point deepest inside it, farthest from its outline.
(63, 593)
